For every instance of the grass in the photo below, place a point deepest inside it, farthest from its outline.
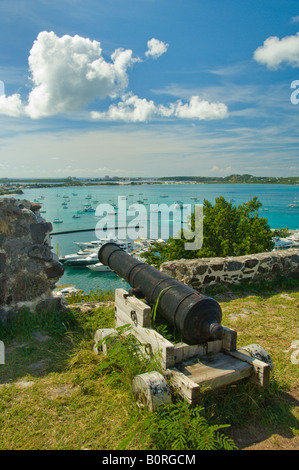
(55, 393)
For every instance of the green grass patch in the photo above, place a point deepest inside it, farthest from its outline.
(56, 393)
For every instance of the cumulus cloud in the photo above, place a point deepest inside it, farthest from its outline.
(200, 109)
(134, 109)
(275, 52)
(69, 72)
(11, 105)
(130, 109)
(156, 48)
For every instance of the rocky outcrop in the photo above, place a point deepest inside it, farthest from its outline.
(203, 272)
(29, 269)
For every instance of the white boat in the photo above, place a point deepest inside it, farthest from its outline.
(285, 243)
(64, 291)
(82, 261)
(57, 221)
(295, 203)
(102, 241)
(99, 267)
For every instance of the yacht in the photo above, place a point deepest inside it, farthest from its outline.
(98, 243)
(80, 260)
(57, 221)
(286, 243)
(63, 291)
(99, 267)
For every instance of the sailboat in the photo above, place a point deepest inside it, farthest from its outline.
(295, 203)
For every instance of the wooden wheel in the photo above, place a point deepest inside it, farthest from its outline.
(110, 336)
(256, 351)
(151, 390)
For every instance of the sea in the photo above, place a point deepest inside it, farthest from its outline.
(274, 198)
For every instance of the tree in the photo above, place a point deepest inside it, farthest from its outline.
(228, 230)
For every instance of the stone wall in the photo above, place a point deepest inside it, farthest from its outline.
(198, 273)
(29, 269)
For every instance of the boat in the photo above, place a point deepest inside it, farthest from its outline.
(89, 209)
(99, 267)
(285, 243)
(83, 261)
(81, 258)
(57, 221)
(76, 216)
(295, 203)
(98, 243)
(63, 291)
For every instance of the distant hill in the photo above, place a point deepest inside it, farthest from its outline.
(238, 179)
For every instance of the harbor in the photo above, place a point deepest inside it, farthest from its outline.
(73, 214)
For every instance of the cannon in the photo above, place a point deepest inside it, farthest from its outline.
(196, 316)
(206, 358)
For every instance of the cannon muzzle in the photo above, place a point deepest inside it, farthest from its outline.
(196, 316)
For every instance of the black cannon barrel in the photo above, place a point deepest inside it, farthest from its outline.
(196, 316)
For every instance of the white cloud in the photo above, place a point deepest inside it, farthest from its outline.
(134, 109)
(11, 105)
(276, 51)
(156, 48)
(200, 109)
(70, 72)
(130, 109)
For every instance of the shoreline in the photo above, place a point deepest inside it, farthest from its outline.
(144, 183)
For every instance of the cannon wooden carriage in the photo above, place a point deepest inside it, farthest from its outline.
(186, 368)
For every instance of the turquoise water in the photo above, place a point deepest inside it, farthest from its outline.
(275, 198)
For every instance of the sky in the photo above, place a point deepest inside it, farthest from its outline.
(148, 88)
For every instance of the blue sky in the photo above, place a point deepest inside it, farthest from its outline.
(148, 88)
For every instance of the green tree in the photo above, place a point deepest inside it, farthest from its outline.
(228, 230)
